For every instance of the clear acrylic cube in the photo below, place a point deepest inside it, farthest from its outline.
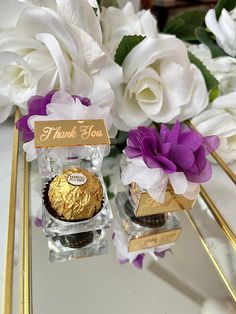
(61, 249)
(150, 231)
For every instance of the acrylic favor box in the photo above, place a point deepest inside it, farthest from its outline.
(147, 231)
(76, 208)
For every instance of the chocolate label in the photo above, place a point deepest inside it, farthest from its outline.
(77, 179)
(173, 202)
(62, 133)
(154, 240)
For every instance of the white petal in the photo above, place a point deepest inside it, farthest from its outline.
(128, 110)
(192, 191)
(178, 182)
(112, 72)
(95, 57)
(44, 20)
(212, 24)
(225, 101)
(82, 15)
(30, 151)
(102, 93)
(148, 23)
(59, 59)
(32, 119)
(227, 25)
(82, 82)
(151, 50)
(11, 11)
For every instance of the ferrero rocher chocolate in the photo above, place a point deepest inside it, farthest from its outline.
(75, 194)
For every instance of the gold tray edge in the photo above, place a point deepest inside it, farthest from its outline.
(212, 258)
(9, 255)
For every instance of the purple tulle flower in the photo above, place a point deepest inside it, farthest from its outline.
(37, 105)
(173, 150)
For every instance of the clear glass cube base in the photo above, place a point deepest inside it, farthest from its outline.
(52, 161)
(61, 253)
(56, 227)
(140, 237)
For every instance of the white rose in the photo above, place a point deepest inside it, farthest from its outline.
(223, 68)
(224, 29)
(220, 119)
(160, 85)
(117, 23)
(136, 4)
(43, 49)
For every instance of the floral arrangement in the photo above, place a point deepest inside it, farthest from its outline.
(141, 74)
(89, 59)
(215, 34)
(58, 105)
(176, 156)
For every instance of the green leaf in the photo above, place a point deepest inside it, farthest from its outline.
(224, 4)
(126, 45)
(107, 181)
(214, 92)
(211, 81)
(205, 37)
(184, 24)
(95, 11)
(114, 151)
(110, 195)
(108, 3)
(120, 138)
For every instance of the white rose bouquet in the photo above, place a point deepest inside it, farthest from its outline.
(216, 32)
(160, 83)
(115, 57)
(53, 47)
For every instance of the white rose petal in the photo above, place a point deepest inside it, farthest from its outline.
(80, 14)
(224, 29)
(117, 23)
(223, 68)
(221, 122)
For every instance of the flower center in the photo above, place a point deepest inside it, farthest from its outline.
(16, 75)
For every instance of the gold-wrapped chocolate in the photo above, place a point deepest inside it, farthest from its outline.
(75, 194)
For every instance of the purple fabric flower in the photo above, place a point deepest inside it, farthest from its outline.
(173, 150)
(138, 261)
(37, 105)
(162, 253)
(38, 222)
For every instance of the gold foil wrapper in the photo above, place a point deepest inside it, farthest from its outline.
(75, 202)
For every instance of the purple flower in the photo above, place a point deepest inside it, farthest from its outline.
(37, 105)
(162, 253)
(138, 261)
(173, 150)
(38, 222)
